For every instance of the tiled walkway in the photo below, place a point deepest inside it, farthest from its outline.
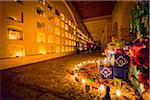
(48, 80)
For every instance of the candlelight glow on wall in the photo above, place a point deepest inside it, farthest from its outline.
(16, 50)
(41, 49)
(50, 39)
(15, 34)
(62, 16)
(62, 24)
(66, 27)
(57, 49)
(12, 37)
(57, 40)
(41, 37)
(19, 54)
(57, 31)
(57, 21)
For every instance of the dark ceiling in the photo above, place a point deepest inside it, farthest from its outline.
(90, 9)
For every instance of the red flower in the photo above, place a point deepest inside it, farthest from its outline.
(139, 55)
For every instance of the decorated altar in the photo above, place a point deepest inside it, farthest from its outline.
(99, 80)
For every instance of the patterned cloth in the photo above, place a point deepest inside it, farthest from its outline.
(106, 72)
(119, 70)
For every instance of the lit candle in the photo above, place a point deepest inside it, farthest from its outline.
(79, 64)
(102, 87)
(75, 75)
(18, 54)
(113, 52)
(98, 62)
(105, 60)
(89, 61)
(118, 92)
(76, 68)
(93, 61)
(84, 90)
(83, 81)
(84, 62)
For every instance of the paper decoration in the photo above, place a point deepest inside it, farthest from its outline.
(120, 69)
(105, 72)
(121, 61)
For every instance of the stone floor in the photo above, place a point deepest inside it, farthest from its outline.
(48, 80)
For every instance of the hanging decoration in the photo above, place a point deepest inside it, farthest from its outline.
(139, 19)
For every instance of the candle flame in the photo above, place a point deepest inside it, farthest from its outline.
(102, 87)
(83, 81)
(118, 92)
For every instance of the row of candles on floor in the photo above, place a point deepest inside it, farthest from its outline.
(101, 87)
(98, 62)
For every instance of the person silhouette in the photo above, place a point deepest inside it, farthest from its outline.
(107, 96)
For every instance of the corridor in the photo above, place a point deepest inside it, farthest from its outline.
(74, 50)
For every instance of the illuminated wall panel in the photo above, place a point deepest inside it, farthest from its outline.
(16, 50)
(14, 34)
(57, 21)
(63, 33)
(66, 20)
(53, 49)
(63, 41)
(57, 40)
(66, 34)
(57, 49)
(38, 28)
(66, 49)
(66, 27)
(63, 49)
(50, 39)
(62, 24)
(41, 49)
(57, 31)
(69, 22)
(69, 36)
(41, 37)
(70, 48)
(66, 42)
(62, 17)
(49, 49)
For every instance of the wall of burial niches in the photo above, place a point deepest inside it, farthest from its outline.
(34, 31)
